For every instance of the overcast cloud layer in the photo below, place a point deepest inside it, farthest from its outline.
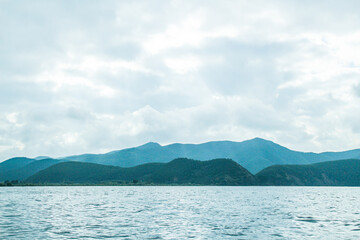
(95, 76)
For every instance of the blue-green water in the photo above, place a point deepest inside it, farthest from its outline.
(179, 213)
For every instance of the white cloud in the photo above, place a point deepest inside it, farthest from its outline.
(184, 64)
(186, 32)
(91, 77)
(11, 117)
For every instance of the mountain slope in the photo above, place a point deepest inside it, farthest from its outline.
(32, 168)
(255, 154)
(9, 166)
(178, 171)
(332, 173)
(25, 169)
(15, 163)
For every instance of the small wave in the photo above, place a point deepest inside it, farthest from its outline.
(155, 237)
(307, 219)
(234, 234)
(12, 216)
(63, 233)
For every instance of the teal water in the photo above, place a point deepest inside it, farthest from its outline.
(179, 213)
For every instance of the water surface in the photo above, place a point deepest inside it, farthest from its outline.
(179, 212)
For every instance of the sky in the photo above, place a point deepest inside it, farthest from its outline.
(95, 76)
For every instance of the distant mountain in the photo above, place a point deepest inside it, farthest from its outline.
(9, 166)
(15, 163)
(255, 154)
(332, 173)
(41, 157)
(22, 168)
(178, 171)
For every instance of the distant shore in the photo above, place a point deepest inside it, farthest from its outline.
(21, 184)
(150, 184)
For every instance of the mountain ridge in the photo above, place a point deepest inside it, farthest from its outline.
(253, 154)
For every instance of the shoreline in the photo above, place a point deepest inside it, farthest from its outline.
(161, 185)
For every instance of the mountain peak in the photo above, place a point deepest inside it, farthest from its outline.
(260, 141)
(41, 157)
(149, 145)
(257, 139)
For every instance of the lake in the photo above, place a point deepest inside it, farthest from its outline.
(171, 212)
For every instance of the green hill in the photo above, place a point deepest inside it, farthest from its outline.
(78, 172)
(332, 173)
(214, 172)
(178, 171)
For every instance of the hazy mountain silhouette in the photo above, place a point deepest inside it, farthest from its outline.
(22, 168)
(9, 166)
(255, 154)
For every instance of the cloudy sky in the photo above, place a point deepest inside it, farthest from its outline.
(94, 76)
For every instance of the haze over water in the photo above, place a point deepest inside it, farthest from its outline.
(179, 213)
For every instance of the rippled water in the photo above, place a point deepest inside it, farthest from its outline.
(179, 213)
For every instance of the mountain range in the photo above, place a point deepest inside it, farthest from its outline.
(264, 160)
(255, 154)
